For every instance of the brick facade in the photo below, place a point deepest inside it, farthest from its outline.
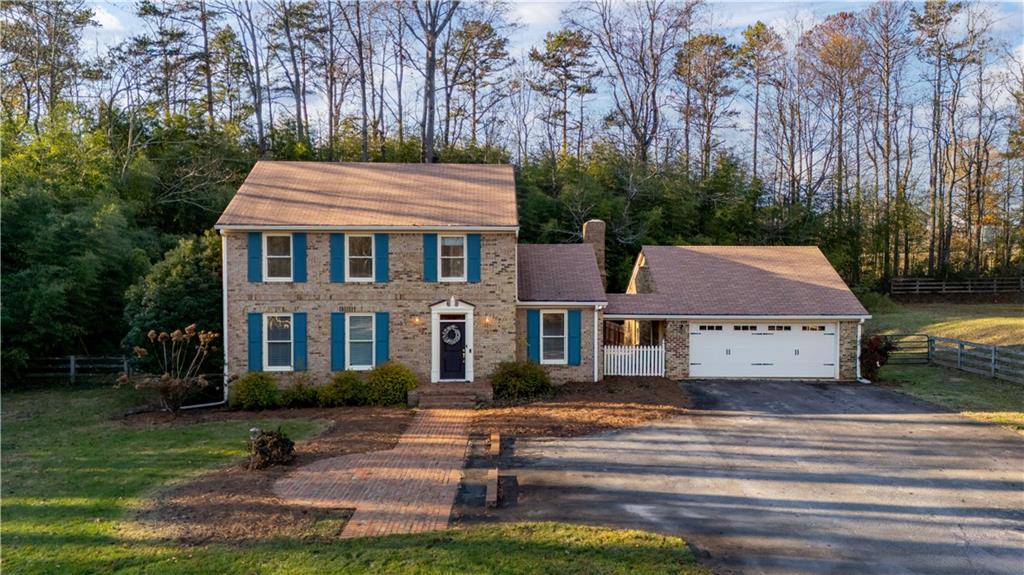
(566, 373)
(848, 350)
(406, 296)
(677, 349)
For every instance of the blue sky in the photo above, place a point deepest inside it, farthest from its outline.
(117, 19)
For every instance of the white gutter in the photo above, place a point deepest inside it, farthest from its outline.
(451, 228)
(860, 327)
(736, 317)
(561, 303)
(224, 320)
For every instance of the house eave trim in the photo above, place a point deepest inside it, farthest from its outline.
(560, 303)
(449, 228)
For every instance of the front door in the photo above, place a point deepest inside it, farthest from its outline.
(453, 348)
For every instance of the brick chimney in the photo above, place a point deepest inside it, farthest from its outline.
(593, 234)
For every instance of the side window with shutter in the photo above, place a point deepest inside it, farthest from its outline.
(255, 256)
(430, 258)
(575, 336)
(381, 273)
(255, 341)
(337, 341)
(533, 335)
(383, 335)
(337, 258)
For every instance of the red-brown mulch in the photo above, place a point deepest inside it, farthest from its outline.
(233, 504)
(587, 407)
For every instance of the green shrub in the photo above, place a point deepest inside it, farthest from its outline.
(301, 393)
(389, 384)
(875, 302)
(519, 380)
(346, 388)
(254, 390)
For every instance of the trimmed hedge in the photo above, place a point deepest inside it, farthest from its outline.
(254, 390)
(389, 384)
(346, 388)
(520, 380)
(301, 393)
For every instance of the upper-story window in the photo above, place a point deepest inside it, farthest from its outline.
(359, 257)
(453, 258)
(277, 259)
(554, 343)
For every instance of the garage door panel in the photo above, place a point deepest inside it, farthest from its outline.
(760, 352)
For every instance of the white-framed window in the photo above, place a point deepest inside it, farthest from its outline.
(452, 258)
(359, 258)
(554, 342)
(277, 257)
(360, 337)
(277, 342)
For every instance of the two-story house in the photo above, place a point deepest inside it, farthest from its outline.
(334, 266)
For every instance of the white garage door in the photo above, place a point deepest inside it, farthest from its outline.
(754, 349)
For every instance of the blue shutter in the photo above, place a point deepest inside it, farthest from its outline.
(255, 341)
(574, 336)
(473, 263)
(255, 257)
(383, 335)
(299, 361)
(337, 258)
(337, 341)
(299, 258)
(533, 335)
(430, 258)
(380, 256)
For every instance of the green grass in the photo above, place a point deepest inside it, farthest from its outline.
(994, 324)
(72, 477)
(993, 400)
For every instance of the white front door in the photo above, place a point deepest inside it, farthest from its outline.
(757, 349)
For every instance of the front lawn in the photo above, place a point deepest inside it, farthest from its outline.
(73, 478)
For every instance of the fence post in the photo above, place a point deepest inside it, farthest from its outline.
(71, 368)
(994, 348)
(959, 353)
(931, 345)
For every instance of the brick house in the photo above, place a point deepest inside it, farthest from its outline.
(334, 266)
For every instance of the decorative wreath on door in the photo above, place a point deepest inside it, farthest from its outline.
(451, 335)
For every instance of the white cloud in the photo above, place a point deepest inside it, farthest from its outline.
(542, 14)
(107, 21)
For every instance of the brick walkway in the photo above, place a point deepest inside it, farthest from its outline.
(408, 489)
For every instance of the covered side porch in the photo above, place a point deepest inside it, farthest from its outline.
(640, 343)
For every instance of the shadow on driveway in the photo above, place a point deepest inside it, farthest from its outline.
(794, 477)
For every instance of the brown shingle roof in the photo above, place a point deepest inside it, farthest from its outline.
(740, 280)
(559, 272)
(374, 194)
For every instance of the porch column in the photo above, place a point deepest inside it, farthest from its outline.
(677, 349)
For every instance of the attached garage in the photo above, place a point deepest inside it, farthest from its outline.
(741, 312)
(763, 349)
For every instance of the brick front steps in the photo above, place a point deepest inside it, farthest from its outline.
(451, 395)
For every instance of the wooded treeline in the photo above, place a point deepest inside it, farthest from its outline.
(892, 137)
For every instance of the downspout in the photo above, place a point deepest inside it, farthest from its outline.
(860, 326)
(597, 308)
(224, 319)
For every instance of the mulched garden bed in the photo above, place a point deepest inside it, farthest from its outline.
(587, 407)
(233, 504)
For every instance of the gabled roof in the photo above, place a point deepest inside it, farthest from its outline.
(559, 273)
(338, 194)
(740, 281)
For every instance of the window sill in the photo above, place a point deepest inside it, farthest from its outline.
(358, 367)
(554, 362)
(278, 280)
(278, 368)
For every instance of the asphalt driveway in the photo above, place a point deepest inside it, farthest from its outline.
(789, 477)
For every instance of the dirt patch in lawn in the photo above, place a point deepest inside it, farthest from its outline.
(587, 407)
(233, 504)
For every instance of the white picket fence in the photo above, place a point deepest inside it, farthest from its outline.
(637, 360)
